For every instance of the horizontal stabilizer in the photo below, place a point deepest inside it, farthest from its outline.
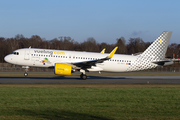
(161, 62)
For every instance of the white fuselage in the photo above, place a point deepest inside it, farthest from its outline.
(48, 58)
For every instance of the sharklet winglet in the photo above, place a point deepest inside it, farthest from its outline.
(103, 50)
(112, 53)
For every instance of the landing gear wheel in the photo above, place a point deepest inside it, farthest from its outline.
(83, 76)
(25, 74)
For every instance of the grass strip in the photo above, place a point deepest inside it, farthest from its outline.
(78, 102)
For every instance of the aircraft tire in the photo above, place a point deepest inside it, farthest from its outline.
(25, 74)
(83, 76)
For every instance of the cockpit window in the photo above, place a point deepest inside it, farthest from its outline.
(15, 53)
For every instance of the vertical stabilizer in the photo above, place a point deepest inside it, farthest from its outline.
(158, 48)
(155, 52)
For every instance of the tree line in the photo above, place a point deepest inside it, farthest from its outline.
(134, 45)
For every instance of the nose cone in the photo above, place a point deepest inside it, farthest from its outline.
(7, 58)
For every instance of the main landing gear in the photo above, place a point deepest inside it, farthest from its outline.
(83, 76)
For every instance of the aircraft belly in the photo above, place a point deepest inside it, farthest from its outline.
(114, 67)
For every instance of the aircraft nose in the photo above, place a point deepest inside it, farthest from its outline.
(7, 58)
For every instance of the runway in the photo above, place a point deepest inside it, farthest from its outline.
(93, 80)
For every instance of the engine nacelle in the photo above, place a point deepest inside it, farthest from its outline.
(62, 69)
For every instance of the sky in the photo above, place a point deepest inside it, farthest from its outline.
(104, 20)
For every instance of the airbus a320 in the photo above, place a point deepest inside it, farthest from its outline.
(67, 62)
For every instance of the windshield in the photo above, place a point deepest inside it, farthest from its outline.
(15, 53)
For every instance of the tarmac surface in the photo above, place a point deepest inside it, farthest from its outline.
(93, 80)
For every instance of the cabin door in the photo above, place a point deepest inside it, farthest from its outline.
(27, 55)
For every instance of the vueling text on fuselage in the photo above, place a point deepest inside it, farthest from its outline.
(49, 52)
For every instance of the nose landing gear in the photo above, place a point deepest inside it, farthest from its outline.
(26, 70)
(25, 74)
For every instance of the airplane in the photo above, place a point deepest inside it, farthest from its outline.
(67, 62)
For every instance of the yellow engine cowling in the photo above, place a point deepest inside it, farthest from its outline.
(62, 69)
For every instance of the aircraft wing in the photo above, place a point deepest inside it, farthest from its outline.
(88, 64)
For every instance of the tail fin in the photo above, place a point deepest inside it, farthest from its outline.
(153, 55)
(158, 48)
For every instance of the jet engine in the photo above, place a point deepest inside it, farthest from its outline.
(62, 69)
